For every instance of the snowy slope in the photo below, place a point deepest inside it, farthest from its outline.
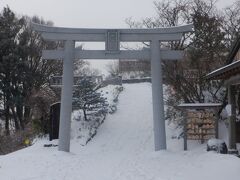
(122, 150)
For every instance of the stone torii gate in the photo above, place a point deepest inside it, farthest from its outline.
(112, 39)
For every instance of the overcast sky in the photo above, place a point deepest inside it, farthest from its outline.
(88, 13)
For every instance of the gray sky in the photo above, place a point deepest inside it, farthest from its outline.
(88, 13)
(84, 13)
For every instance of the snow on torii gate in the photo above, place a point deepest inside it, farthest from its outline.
(112, 38)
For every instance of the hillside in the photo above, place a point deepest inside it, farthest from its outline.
(121, 150)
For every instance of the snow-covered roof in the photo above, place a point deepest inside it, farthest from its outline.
(199, 105)
(225, 71)
(55, 103)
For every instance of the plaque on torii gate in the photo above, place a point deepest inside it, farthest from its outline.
(112, 39)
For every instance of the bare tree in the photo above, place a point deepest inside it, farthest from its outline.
(205, 49)
(232, 23)
(113, 68)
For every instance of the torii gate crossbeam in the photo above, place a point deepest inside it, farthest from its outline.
(112, 39)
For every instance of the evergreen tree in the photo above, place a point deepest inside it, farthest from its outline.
(86, 98)
(10, 27)
(22, 69)
(34, 71)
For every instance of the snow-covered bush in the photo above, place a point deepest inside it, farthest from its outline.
(112, 108)
(89, 100)
(84, 130)
(217, 145)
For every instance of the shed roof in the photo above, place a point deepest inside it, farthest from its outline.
(199, 105)
(225, 72)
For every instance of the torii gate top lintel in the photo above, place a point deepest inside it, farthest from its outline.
(92, 34)
(173, 29)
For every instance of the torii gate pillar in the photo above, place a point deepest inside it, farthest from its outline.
(66, 97)
(157, 97)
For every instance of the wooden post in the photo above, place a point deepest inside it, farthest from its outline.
(185, 131)
(216, 122)
(232, 117)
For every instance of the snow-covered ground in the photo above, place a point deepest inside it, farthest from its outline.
(122, 150)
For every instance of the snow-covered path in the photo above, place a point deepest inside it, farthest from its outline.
(122, 150)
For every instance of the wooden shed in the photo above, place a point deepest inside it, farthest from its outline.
(231, 76)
